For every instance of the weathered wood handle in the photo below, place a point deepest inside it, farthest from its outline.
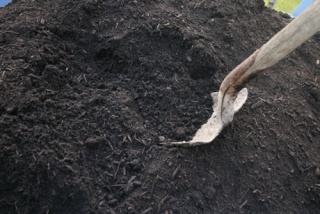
(279, 46)
(290, 37)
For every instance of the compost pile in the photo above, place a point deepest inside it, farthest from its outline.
(90, 88)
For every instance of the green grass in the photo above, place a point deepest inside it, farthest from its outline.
(286, 6)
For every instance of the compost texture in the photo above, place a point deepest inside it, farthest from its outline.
(90, 88)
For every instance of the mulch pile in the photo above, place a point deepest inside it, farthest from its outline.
(90, 88)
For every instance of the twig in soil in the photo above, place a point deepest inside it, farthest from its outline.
(9, 31)
(129, 184)
(258, 104)
(248, 134)
(295, 161)
(15, 205)
(175, 171)
(51, 91)
(130, 138)
(82, 77)
(149, 150)
(154, 182)
(109, 174)
(2, 75)
(142, 194)
(244, 195)
(140, 141)
(81, 114)
(112, 211)
(147, 210)
(71, 169)
(116, 172)
(162, 201)
(34, 76)
(102, 178)
(109, 143)
(198, 4)
(244, 203)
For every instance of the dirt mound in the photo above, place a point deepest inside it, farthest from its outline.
(90, 88)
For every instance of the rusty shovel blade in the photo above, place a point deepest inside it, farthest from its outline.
(218, 120)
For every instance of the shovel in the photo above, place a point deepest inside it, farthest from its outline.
(233, 94)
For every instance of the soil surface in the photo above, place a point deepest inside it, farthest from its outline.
(90, 88)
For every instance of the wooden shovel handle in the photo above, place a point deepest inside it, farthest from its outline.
(279, 46)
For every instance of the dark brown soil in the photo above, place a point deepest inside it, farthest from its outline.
(88, 87)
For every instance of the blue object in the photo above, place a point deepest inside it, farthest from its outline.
(4, 2)
(304, 4)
